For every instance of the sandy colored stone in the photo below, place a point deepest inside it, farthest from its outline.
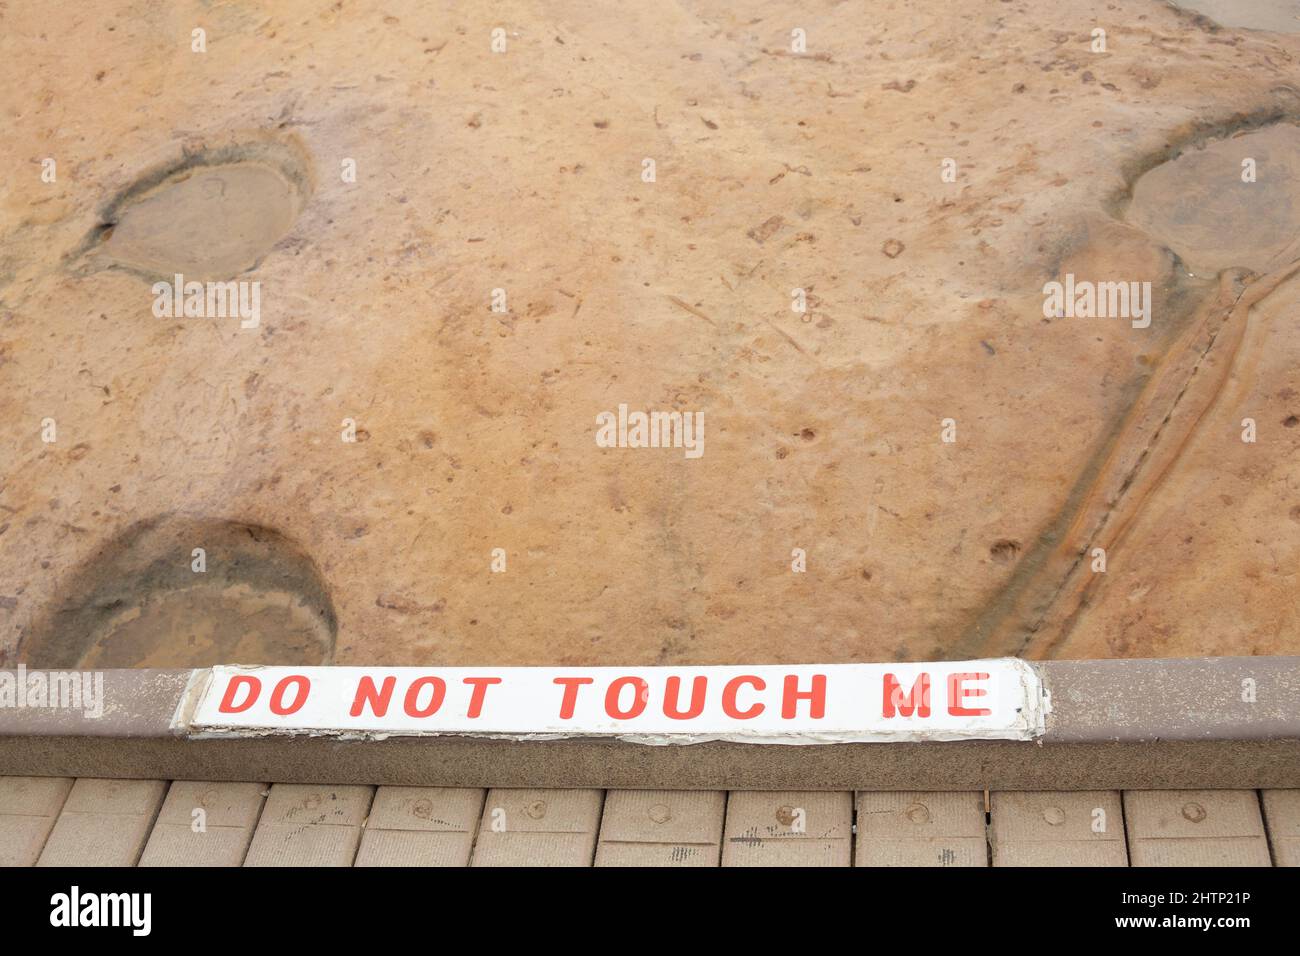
(475, 429)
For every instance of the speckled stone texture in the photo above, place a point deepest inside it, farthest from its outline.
(522, 171)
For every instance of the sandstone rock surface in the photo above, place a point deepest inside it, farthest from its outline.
(524, 171)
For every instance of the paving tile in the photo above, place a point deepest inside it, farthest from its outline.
(1046, 828)
(420, 826)
(788, 828)
(218, 837)
(661, 828)
(310, 825)
(1282, 816)
(538, 828)
(28, 808)
(903, 828)
(104, 823)
(1195, 828)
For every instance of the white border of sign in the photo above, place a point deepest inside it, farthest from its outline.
(1000, 699)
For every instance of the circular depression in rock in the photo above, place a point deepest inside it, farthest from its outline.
(140, 602)
(212, 216)
(1276, 16)
(1203, 205)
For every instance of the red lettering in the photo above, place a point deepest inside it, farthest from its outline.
(957, 694)
(729, 697)
(277, 695)
(907, 703)
(672, 692)
(816, 697)
(638, 701)
(254, 686)
(435, 700)
(480, 685)
(570, 685)
(367, 692)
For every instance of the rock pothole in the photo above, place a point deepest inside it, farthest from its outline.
(1275, 16)
(1225, 203)
(212, 215)
(183, 592)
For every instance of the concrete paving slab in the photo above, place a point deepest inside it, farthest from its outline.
(1054, 828)
(1195, 828)
(903, 828)
(661, 828)
(788, 828)
(205, 824)
(307, 825)
(28, 808)
(421, 826)
(1282, 819)
(538, 828)
(104, 823)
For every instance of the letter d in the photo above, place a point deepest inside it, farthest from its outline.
(228, 705)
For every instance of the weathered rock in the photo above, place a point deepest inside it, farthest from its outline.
(524, 171)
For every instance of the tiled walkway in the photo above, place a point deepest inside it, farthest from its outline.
(49, 821)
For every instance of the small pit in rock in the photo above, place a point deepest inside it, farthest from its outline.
(1232, 202)
(212, 216)
(1004, 551)
(141, 602)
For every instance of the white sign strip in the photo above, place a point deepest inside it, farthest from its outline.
(771, 703)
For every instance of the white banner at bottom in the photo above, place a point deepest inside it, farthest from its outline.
(772, 703)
